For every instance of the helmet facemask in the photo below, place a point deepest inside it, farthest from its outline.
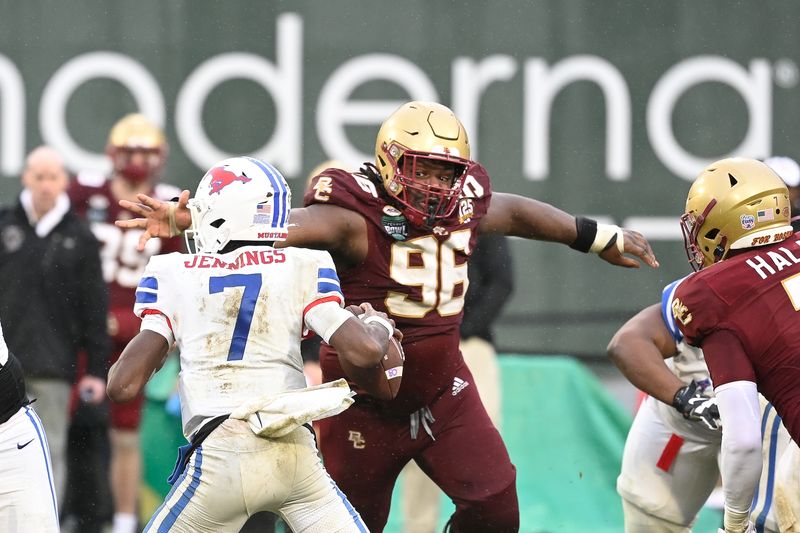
(422, 134)
(690, 227)
(424, 204)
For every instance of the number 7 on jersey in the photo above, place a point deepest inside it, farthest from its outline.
(252, 286)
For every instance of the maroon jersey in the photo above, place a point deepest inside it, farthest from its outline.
(123, 264)
(755, 296)
(416, 276)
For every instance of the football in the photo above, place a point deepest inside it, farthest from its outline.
(392, 365)
(383, 380)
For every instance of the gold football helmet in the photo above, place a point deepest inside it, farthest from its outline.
(733, 204)
(422, 131)
(137, 148)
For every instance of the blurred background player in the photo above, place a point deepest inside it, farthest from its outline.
(741, 308)
(26, 477)
(401, 231)
(491, 280)
(137, 149)
(238, 309)
(54, 301)
(789, 171)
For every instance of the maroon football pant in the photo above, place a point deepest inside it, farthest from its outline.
(365, 452)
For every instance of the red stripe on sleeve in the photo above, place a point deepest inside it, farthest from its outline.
(309, 307)
(157, 312)
(670, 452)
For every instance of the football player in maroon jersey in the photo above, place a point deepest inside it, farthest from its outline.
(137, 149)
(401, 232)
(741, 308)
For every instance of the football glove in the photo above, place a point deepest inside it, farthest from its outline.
(694, 405)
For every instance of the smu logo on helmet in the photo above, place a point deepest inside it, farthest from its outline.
(221, 178)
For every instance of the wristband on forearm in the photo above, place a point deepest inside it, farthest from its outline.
(173, 227)
(379, 320)
(596, 238)
(736, 521)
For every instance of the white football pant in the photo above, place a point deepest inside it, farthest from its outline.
(27, 494)
(235, 474)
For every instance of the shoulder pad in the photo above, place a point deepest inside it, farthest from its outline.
(166, 192)
(90, 178)
(342, 188)
(667, 296)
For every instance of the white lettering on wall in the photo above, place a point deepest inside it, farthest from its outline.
(470, 80)
(283, 82)
(543, 84)
(755, 87)
(12, 118)
(74, 73)
(335, 110)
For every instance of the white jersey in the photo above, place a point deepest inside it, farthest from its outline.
(687, 364)
(3, 348)
(238, 319)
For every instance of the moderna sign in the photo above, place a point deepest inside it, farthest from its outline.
(282, 79)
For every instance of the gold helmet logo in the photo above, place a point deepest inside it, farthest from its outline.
(733, 204)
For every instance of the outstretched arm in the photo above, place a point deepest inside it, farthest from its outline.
(518, 216)
(325, 227)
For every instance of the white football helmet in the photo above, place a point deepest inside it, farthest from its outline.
(239, 199)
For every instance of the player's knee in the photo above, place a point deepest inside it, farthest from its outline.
(498, 513)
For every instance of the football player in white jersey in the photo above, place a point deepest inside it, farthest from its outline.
(670, 463)
(237, 310)
(27, 492)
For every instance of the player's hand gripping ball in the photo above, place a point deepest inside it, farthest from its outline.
(383, 380)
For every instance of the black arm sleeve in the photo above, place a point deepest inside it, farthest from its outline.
(12, 388)
(93, 308)
(491, 279)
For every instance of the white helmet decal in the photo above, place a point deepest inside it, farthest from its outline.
(239, 199)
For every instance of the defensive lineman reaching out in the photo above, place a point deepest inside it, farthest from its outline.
(401, 231)
(237, 310)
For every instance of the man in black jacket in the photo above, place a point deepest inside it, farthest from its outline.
(53, 300)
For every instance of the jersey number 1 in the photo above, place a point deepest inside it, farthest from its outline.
(252, 286)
